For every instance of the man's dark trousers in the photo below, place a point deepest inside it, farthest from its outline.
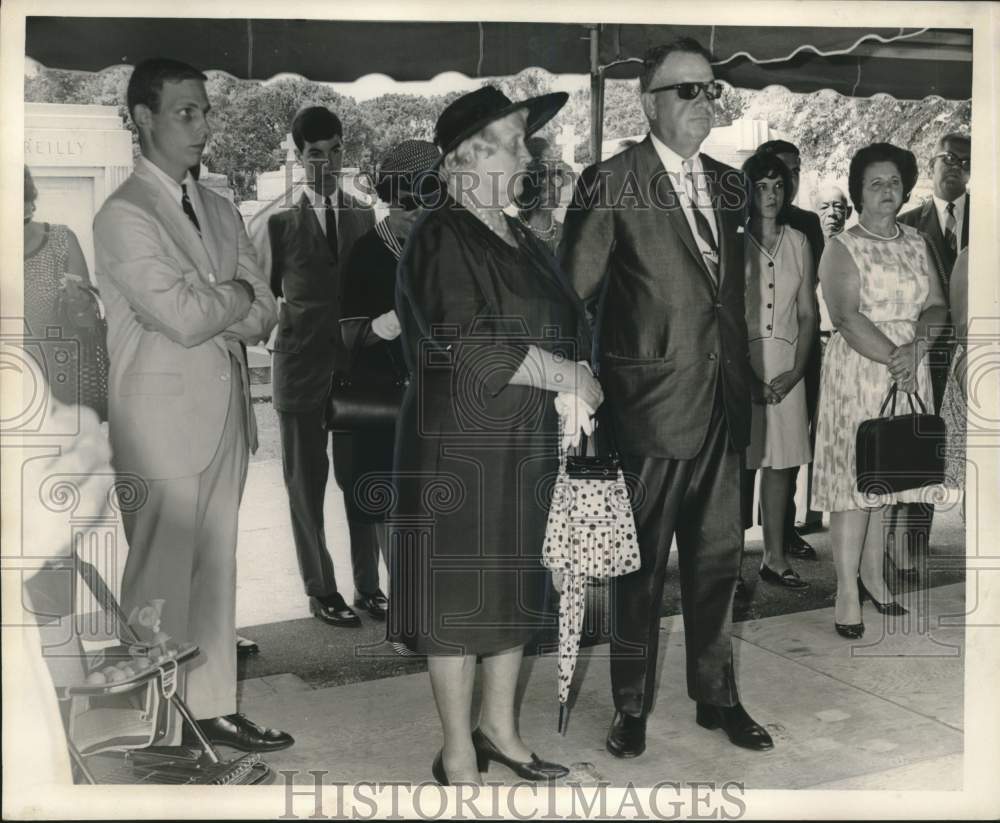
(698, 500)
(304, 444)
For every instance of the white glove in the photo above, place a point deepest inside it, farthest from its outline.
(575, 416)
(387, 326)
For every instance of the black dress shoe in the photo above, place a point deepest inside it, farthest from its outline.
(891, 608)
(333, 610)
(797, 546)
(376, 604)
(788, 578)
(739, 726)
(627, 737)
(245, 647)
(534, 769)
(239, 732)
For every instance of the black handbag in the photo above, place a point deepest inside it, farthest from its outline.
(368, 394)
(81, 315)
(896, 453)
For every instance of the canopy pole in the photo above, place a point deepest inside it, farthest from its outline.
(596, 96)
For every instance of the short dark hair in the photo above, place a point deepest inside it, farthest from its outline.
(30, 191)
(903, 160)
(315, 123)
(763, 164)
(146, 83)
(654, 57)
(955, 137)
(778, 147)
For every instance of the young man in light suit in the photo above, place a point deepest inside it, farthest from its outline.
(184, 296)
(304, 249)
(656, 232)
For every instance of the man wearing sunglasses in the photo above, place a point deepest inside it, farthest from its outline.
(654, 234)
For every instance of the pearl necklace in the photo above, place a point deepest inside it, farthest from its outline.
(880, 236)
(543, 234)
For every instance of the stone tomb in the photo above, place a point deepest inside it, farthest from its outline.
(78, 155)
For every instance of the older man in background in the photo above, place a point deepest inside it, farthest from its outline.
(833, 208)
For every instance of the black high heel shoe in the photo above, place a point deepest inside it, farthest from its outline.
(534, 769)
(891, 608)
(904, 575)
(437, 769)
(852, 631)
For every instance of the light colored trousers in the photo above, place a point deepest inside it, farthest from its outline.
(182, 548)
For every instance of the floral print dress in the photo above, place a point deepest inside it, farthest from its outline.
(895, 281)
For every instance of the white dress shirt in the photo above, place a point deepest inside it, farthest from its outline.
(674, 164)
(173, 188)
(319, 209)
(942, 213)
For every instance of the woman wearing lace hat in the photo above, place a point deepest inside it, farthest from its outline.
(491, 332)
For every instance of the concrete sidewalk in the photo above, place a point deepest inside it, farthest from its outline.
(882, 713)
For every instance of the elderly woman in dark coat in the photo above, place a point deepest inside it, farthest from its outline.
(491, 332)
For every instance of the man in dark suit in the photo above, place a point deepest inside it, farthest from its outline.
(305, 249)
(944, 220)
(655, 231)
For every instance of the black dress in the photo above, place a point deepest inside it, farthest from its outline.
(363, 459)
(476, 457)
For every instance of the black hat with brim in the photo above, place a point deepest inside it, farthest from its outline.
(472, 112)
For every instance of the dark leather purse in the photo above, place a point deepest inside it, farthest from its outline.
(368, 394)
(896, 453)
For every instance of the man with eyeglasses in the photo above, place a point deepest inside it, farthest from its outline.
(944, 219)
(654, 234)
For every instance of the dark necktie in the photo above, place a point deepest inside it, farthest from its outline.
(331, 228)
(188, 208)
(711, 256)
(950, 235)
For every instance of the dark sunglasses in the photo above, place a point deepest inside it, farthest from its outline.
(689, 91)
(951, 159)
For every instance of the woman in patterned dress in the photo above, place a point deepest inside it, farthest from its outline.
(53, 266)
(884, 297)
(781, 317)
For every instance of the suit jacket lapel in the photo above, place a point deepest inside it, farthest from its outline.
(648, 167)
(965, 225)
(212, 229)
(178, 226)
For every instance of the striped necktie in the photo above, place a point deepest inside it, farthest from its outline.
(950, 224)
(710, 249)
(188, 208)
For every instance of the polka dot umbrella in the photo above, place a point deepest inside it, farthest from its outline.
(590, 533)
